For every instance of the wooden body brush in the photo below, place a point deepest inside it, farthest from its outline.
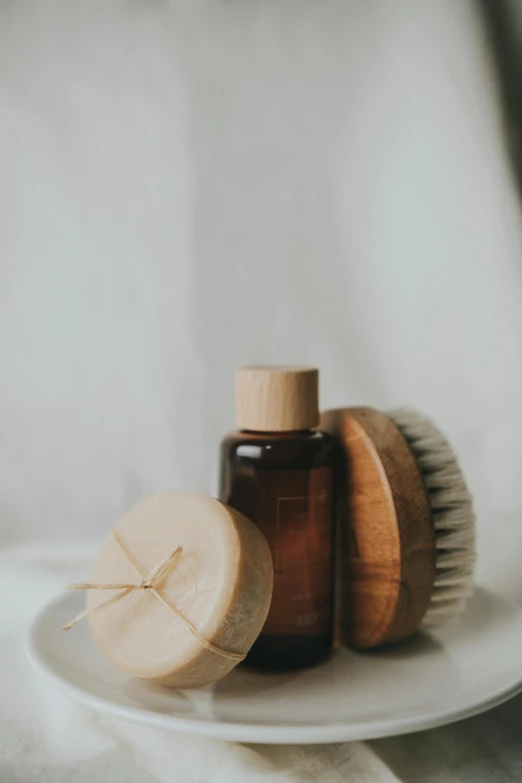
(406, 534)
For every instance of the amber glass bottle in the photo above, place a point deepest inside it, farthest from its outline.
(280, 472)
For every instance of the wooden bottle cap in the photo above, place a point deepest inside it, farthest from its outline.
(277, 399)
(387, 552)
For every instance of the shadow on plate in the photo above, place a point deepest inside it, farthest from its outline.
(158, 698)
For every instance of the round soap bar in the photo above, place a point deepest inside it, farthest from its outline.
(191, 622)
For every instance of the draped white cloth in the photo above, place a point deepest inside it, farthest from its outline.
(189, 185)
(46, 738)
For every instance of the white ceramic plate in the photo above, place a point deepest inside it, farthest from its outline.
(425, 682)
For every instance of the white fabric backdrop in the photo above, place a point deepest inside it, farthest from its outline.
(191, 185)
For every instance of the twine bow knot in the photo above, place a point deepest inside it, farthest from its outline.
(148, 583)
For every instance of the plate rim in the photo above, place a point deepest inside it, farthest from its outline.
(259, 733)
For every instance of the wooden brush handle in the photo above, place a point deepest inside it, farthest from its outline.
(387, 551)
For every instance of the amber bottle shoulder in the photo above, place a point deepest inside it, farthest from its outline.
(301, 449)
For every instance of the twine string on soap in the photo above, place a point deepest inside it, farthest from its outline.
(147, 583)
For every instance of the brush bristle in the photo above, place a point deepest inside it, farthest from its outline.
(453, 515)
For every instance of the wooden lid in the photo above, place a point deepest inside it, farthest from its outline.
(277, 399)
(386, 547)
